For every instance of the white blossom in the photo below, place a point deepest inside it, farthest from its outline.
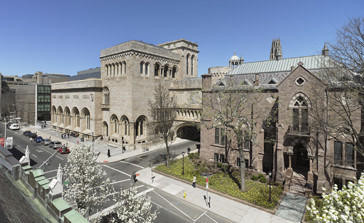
(85, 183)
(346, 205)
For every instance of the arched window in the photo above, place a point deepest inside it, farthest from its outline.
(114, 124)
(174, 71)
(124, 67)
(187, 61)
(86, 119)
(140, 125)
(192, 58)
(156, 69)
(106, 98)
(165, 70)
(107, 69)
(125, 125)
(141, 67)
(146, 70)
(300, 114)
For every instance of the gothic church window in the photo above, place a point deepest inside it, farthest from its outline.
(300, 115)
(166, 70)
(187, 61)
(174, 72)
(192, 58)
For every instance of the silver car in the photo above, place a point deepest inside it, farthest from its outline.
(46, 142)
(57, 145)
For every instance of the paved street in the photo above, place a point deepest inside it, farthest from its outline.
(170, 208)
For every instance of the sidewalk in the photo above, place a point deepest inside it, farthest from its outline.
(100, 146)
(222, 206)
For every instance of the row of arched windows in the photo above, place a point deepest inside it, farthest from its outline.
(165, 71)
(71, 118)
(189, 64)
(115, 69)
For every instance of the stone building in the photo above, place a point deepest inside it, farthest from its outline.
(115, 107)
(281, 95)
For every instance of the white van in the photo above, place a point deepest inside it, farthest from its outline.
(14, 126)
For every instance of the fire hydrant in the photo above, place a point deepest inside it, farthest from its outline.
(184, 194)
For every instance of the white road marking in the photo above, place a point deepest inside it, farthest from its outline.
(39, 151)
(199, 216)
(139, 186)
(211, 218)
(120, 181)
(117, 170)
(144, 192)
(173, 205)
(35, 156)
(50, 171)
(121, 161)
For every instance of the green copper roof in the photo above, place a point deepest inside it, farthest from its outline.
(37, 172)
(75, 217)
(60, 204)
(267, 66)
(27, 167)
(40, 178)
(42, 182)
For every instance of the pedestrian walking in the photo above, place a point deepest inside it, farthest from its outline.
(108, 153)
(194, 181)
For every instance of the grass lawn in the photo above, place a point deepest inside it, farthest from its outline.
(256, 192)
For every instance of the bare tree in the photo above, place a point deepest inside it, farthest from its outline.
(229, 109)
(163, 112)
(345, 79)
(349, 47)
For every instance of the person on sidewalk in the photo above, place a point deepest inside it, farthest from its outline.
(194, 182)
(108, 153)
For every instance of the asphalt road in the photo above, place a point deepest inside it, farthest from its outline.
(170, 208)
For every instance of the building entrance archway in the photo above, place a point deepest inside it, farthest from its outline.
(300, 160)
(189, 132)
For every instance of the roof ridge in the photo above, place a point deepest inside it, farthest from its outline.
(280, 59)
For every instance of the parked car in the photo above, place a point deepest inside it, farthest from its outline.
(74, 134)
(26, 133)
(46, 142)
(39, 139)
(32, 135)
(63, 150)
(57, 145)
(14, 126)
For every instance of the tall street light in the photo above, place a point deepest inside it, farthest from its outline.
(270, 187)
(183, 163)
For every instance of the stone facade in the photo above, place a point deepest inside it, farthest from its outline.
(281, 92)
(119, 111)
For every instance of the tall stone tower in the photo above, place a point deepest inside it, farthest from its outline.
(276, 50)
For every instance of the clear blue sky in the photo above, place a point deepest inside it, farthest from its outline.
(66, 36)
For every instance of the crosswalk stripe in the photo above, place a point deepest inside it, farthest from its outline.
(116, 170)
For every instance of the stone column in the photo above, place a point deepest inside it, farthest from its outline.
(132, 133)
(310, 172)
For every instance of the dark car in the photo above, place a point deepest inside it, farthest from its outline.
(32, 135)
(63, 150)
(26, 133)
(39, 139)
(74, 134)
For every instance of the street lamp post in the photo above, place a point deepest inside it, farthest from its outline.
(183, 163)
(270, 187)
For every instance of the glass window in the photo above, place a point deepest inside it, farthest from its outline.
(295, 119)
(238, 161)
(217, 136)
(338, 150)
(222, 141)
(216, 157)
(349, 154)
(222, 158)
(304, 127)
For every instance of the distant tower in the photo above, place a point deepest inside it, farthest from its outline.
(276, 50)
(325, 50)
(235, 61)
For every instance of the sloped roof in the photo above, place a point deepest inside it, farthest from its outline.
(75, 217)
(283, 65)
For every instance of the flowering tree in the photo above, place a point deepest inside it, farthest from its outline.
(344, 205)
(130, 208)
(84, 179)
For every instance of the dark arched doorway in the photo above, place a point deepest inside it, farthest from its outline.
(189, 132)
(300, 161)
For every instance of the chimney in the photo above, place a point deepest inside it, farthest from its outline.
(256, 81)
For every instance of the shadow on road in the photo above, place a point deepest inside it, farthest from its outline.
(18, 154)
